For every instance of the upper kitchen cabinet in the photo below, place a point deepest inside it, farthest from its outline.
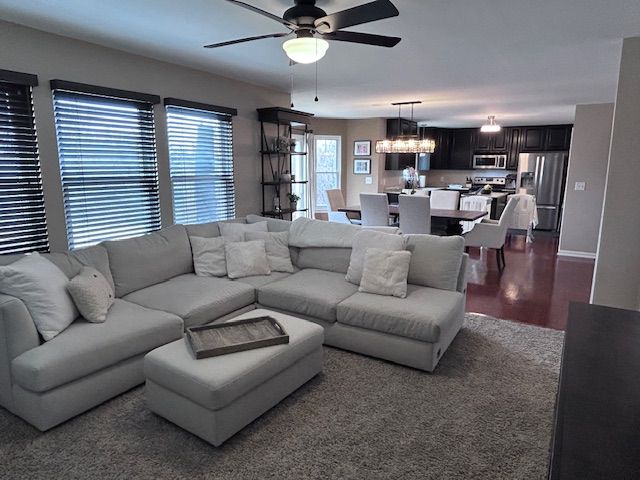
(491, 142)
(558, 137)
(439, 159)
(513, 142)
(546, 138)
(461, 148)
(400, 127)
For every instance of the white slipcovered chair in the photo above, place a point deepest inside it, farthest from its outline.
(415, 214)
(336, 201)
(525, 215)
(492, 233)
(445, 200)
(374, 209)
(478, 203)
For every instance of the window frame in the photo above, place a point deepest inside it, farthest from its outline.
(338, 172)
(215, 113)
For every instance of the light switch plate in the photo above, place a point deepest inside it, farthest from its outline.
(368, 180)
(580, 186)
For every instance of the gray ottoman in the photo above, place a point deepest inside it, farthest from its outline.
(216, 397)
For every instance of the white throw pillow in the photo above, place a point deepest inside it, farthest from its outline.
(209, 258)
(42, 287)
(234, 232)
(385, 272)
(365, 239)
(277, 245)
(245, 259)
(92, 294)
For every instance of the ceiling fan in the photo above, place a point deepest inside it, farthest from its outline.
(312, 28)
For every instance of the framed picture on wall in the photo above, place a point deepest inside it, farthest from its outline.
(362, 166)
(362, 148)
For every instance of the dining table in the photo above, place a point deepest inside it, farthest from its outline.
(450, 218)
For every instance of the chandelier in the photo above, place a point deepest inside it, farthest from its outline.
(405, 143)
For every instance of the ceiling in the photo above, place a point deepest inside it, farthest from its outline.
(525, 61)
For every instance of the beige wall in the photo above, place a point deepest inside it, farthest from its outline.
(587, 163)
(52, 56)
(616, 279)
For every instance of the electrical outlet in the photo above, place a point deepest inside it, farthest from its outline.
(368, 180)
(580, 186)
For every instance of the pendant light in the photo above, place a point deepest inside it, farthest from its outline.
(492, 126)
(405, 143)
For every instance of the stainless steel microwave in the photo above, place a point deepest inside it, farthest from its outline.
(490, 161)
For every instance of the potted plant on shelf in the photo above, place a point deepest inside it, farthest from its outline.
(293, 201)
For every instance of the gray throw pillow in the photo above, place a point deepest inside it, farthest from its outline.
(92, 294)
(365, 239)
(245, 259)
(277, 245)
(385, 272)
(209, 258)
(435, 261)
(234, 232)
(42, 287)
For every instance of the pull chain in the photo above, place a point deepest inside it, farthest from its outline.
(291, 77)
(316, 99)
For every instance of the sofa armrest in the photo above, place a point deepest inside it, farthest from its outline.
(462, 275)
(17, 335)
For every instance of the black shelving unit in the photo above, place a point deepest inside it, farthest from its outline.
(278, 123)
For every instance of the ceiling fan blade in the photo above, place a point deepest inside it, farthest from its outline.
(365, 38)
(248, 39)
(264, 13)
(369, 12)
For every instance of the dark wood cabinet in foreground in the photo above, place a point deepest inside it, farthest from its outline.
(597, 422)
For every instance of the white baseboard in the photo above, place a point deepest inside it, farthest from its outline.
(576, 254)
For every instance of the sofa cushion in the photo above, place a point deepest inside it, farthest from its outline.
(435, 261)
(42, 286)
(142, 261)
(234, 232)
(259, 280)
(368, 239)
(246, 259)
(311, 292)
(92, 294)
(216, 382)
(422, 315)
(196, 300)
(324, 258)
(277, 246)
(84, 348)
(385, 272)
(209, 258)
(203, 230)
(273, 224)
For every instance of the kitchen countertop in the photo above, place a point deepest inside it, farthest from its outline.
(492, 194)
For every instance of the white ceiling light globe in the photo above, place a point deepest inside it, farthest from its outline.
(305, 49)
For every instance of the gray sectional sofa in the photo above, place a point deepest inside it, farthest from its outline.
(158, 295)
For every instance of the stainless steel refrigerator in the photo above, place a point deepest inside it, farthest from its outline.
(543, 175)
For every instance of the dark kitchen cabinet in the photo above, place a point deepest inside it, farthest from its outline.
(397, 127)
(558, 137)
(490, 142)
(533, 139)
(461, 148)
(513, 141)
(439, 159)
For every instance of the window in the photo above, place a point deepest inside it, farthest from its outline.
(201, 162)
(107, 152)
(327, 171)
(23, 226)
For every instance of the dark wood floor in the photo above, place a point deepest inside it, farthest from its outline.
(535, 287)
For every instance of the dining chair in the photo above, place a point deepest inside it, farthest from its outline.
(492, 233)
(525, 215)
(415, 214)
(445, 200)
(336, 201)
(375, 209)
(479, 203)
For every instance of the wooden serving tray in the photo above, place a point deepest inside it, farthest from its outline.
(222, 338)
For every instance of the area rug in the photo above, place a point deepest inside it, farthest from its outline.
(486, 413)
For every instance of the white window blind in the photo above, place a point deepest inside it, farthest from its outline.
(23, 226)
(201, 161)
(107, 153)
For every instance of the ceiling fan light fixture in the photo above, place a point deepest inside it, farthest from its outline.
(305, 49)
(491, 126)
